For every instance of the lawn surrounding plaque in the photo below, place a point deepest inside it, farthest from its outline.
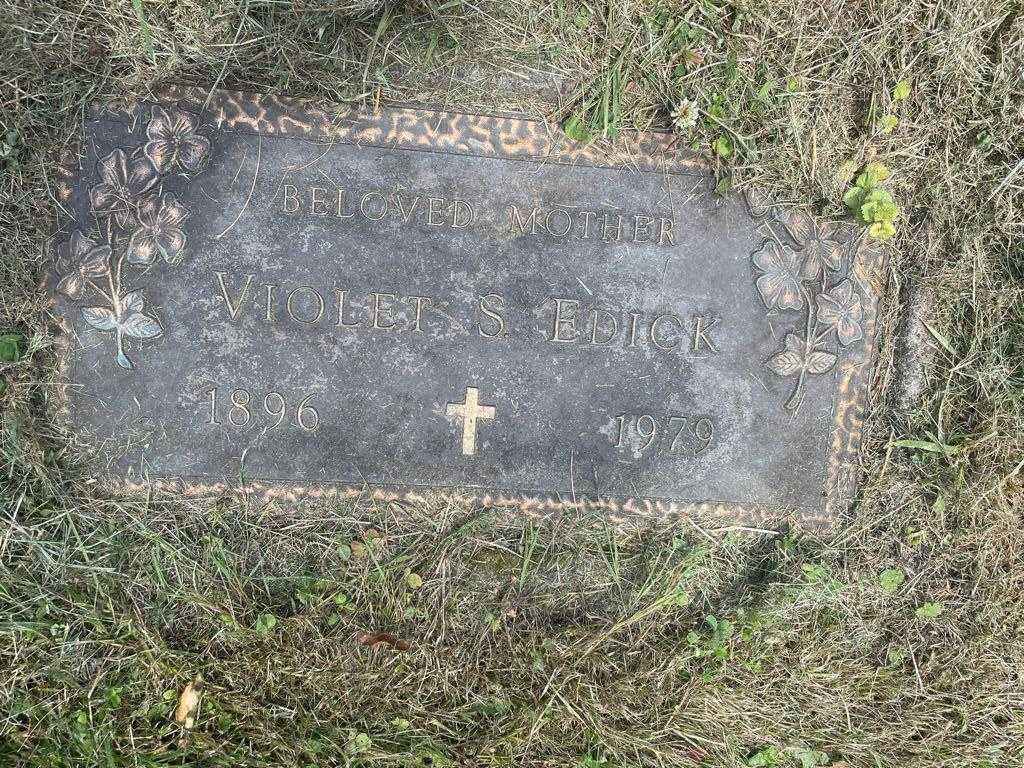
(421, 302)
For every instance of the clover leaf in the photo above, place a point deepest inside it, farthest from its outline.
(891, 579)
(10, 347)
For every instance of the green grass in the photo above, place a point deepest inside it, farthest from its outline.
(553, 642)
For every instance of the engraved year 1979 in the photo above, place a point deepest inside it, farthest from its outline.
(668, 434)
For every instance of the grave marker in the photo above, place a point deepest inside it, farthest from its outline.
(418, 302)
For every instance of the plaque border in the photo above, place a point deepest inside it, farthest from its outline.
(508, 137)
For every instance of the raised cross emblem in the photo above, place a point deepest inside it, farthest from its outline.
(470, 411)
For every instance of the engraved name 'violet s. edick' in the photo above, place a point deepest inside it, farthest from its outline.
(407, 303)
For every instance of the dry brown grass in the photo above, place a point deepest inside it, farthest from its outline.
(557, 642)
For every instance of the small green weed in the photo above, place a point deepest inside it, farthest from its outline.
(891, 579)
(809, 758)
(10, 347)
(769, 757)
(265, 623)
(10, 352)
(873, 206)
(714, 645)
(594, 761)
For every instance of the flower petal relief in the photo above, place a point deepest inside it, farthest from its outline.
(123, 180)
(89, 262)
(135, 219)
(173, 142)
(841, 309)
(819, 251)
(159, 232)
(758, 203)
(779, 286)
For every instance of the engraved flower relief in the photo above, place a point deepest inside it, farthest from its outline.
(840, 308)
(780, 285)
(800, 280)
(760, 205)
(798, 357)
(136, 220)
(818, 251)
(125, 317)
(173, 143)
(89, 262)
(159, 232)
(122, 182)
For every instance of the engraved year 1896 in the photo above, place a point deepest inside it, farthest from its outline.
(685, 435)
(244, 408)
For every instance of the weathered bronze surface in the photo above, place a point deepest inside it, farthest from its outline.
(258, 293)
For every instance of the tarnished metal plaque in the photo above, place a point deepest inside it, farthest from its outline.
(409, 302)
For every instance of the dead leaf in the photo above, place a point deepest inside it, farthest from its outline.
(372, 639)
(358, 549)
(188, 703)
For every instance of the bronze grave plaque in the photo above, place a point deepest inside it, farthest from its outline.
(260, 294)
